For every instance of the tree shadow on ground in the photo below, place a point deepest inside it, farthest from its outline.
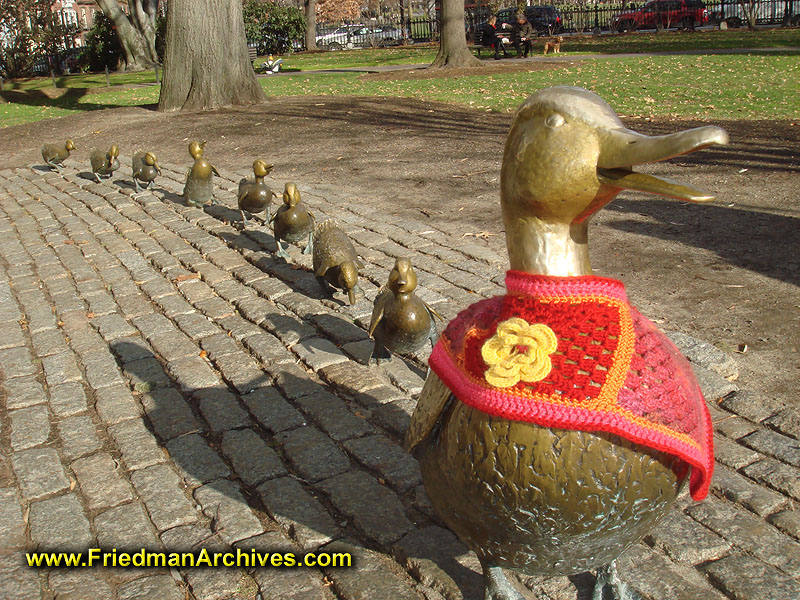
(70, 99)
(758, 241)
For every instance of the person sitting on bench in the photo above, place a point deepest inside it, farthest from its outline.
(490, 38)
(522, 34)
(272, 65)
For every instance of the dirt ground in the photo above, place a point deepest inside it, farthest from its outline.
(727, 272)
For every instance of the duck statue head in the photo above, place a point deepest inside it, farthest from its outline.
(557, 425)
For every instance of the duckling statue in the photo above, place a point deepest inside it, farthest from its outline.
(199, 187)
(335, 261)
(55, 154)
(401, 322)
(581, 419)
(104, 163)
(145, 169)
(255, 196)
(293, 221)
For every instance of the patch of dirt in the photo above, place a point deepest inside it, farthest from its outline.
(726, 272)
(491, 68)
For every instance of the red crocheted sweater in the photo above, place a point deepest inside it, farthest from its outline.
(570, 352)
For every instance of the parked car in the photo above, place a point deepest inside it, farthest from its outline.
(662, 13)
(545, 19)
(336, 39)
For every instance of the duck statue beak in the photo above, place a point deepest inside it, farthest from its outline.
(621, 148)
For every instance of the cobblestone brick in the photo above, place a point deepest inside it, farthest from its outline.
(787, 521)
(59, 524)
(78, 436)
(22, 392)
(100, 481)
(774, 444)
(174, 345)
(784, 478)
(134, 305)
(195, 459)
(373, 508)
(220, 409)
(293, 381)
(116, 403)
(12, 527)
(192, 374)
(300, 514)
(340, 330)
(372, 579)
(318, 353)
(162, 493)
(333, 416)
(740, 489)
(241, 371)
(749, 533)
(39, 472)
(786, 421)
(67, 399)
(271, 411)
(78, 585)
(440, 561)
(252, 460)
(101, 369)
(137, 444)
(196, 325)
(394, 416)
(49, 342)
(19, 582)
(221, 500)
(153, 324)
(126, 527)
(748, 405)
(113, 326)
(156, 587)
(217, 346)
(268, 349)
(761, 581)
(60, 368)
(733, 455)
(29, 427)
(169, 413)
(287, 329)
(390, 461)
(681, 539)
(313, 453)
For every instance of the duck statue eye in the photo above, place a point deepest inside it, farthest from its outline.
(554, 120)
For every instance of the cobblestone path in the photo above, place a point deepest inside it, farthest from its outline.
(168, 383)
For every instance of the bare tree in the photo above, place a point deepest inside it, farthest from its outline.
(206, 64)
(453, 50)
(136, 34)
(750, 10)
(310, 7)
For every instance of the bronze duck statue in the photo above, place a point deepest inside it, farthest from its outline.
(401, 322)
(104, 163)
(255, 196)
(293, 222)
(557, 424)
(335, 261)
(199, 187)
(145, 168)
(55, 154)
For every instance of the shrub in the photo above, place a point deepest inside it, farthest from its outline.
(102, 44)
(273, 27)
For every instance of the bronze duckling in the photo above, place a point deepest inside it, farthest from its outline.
(557, 424)
(293, 222)
(145, 169)
(104, 163)
(401, 322)
(199, 187)
(335, 261)
(55, 154)
(255, 196)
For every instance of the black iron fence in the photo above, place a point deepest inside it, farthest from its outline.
(574, 18)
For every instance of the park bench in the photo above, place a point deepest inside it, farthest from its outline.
(252, 52)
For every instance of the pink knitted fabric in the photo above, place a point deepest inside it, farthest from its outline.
(608, 369)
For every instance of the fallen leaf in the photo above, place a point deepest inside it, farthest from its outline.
(203, 354)
(186, 277)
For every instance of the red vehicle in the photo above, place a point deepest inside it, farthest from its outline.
(662, 13)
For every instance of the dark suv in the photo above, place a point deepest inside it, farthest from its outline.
(546, 19)
(662, 13)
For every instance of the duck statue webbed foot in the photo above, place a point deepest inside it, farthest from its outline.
(557, 425)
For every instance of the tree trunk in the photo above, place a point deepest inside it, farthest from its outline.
(453, 51)
(311, 24)
(134, 44)
(206, 64)
(143, 15)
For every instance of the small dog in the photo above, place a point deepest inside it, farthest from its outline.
(554, 44)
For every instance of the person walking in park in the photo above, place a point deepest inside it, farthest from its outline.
(522, 35)
(491, 39)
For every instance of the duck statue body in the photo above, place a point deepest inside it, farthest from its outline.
(335, 260)
(55, 154)
(145, 169)
(293, 222)
(401, 321)
(557, 424)
(199, 187)
(255, 196)
(104, 163)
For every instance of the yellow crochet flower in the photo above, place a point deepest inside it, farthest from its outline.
(518, 351)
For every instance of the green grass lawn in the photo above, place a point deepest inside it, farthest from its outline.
(740, 86)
